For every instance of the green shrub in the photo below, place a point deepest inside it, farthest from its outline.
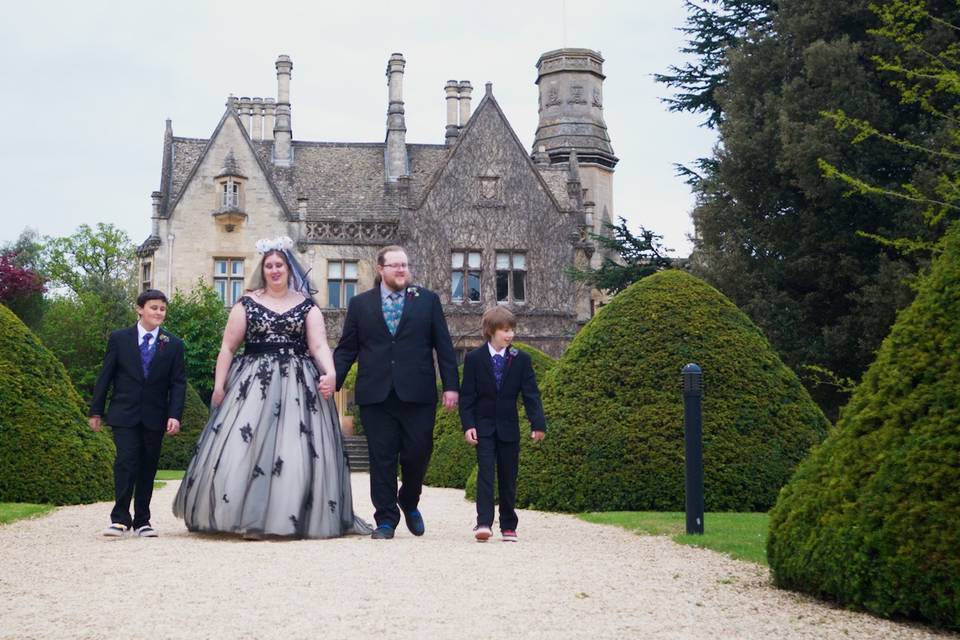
(76, 327)
(349, 383)
(47, 452)
(198, 318)
(872, 517)
(453, 458)
(178, 450)
(615, 412)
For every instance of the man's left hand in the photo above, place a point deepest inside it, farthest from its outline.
(173, 426)
(450, 399)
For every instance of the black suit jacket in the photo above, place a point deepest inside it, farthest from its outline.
(403, 362)
(494, 411)
(136, 400)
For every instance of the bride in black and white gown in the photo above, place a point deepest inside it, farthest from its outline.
(270, 461)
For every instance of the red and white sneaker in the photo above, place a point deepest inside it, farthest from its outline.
(509, 535)
(482, 533)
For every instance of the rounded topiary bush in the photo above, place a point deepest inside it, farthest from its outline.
(615, 409)
(48, 454)
(453, 459)
(178, 450)
(872, 517)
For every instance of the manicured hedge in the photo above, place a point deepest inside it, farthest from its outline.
(615, 410)
(178, 450)
(872, 517)
(453, 458)
(47, 452)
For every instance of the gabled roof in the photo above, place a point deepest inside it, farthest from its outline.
(489, 102)
(181, 188)
(339, 180)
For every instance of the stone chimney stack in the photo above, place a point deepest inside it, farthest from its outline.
(453, 98)
(245, 109)
(465, 90)
(256, 123)
(157, 198)
(395, 153)
(282, 128)
(269, 114)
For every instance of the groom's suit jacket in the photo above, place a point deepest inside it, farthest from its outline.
(493, 411)
(137, 400)
(402, 362)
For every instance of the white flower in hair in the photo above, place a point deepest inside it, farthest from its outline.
(281, 243)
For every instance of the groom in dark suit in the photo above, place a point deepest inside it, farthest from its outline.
(393, 331)
(145, 366)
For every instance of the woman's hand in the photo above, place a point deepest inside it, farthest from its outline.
(217, 398)
(326, 386)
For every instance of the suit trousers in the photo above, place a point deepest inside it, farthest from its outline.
(505, 456)
(134, 469)
(397, 431)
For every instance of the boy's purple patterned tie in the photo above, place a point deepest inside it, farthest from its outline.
(498, 364)
(146, 354)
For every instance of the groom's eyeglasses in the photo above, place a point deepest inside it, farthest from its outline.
(396, 266)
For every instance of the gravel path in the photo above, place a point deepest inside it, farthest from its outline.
(564, 579)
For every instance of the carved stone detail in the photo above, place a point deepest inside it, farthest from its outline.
(490, 191)
(576, 95)
(553, 97)
(358, 232)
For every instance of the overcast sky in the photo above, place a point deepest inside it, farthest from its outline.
(88, 85)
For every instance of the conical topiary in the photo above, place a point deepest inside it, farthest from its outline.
(47, 452)
(453, 459)
(615, 410)
(872, 517)
(177, 450)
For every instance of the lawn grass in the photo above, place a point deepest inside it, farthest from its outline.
(10, 511)
(741, 535)
(166, 474)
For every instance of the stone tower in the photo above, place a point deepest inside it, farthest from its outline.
(571, 120)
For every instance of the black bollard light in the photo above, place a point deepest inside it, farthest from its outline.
(693, 446)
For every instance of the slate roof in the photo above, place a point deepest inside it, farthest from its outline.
(340, 180)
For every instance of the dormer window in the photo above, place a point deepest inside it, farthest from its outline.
(229, 208)
(230, 195)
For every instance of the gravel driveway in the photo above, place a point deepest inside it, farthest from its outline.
(565, 579)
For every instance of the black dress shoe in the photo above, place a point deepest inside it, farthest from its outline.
(382, 532)
(415, 522)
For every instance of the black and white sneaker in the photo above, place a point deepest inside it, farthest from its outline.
(146, 531)
(116, 530)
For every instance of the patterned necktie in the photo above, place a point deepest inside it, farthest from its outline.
(146, 353)
(392, 310)
(499, 362)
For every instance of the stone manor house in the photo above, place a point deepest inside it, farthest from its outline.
(484, 222)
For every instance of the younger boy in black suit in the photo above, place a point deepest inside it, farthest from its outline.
(493, 377)
(145, 366)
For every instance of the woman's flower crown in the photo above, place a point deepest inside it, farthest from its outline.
(280, 243)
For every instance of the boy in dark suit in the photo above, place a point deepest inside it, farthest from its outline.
(493, 377)
(145, 366)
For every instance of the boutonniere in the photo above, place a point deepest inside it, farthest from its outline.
(413, 292)
(162, 340)
(513, 352)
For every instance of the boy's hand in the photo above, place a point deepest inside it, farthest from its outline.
(450, 399)
(470, 435)
(538, 436)
(173, 426)
(95, 423)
